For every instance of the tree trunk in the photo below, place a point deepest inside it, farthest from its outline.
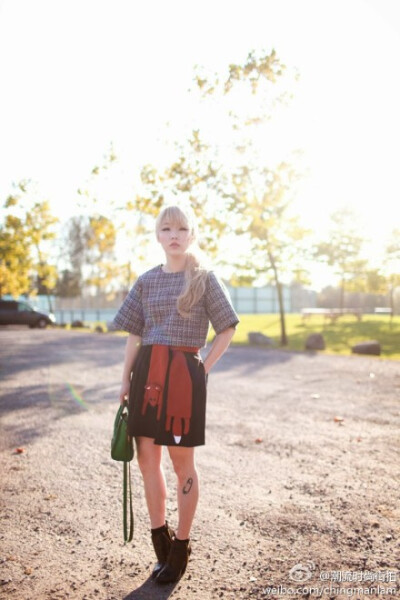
(278, 284)
(341, 300)
(50, 305)
(39, 279)
(391, 300)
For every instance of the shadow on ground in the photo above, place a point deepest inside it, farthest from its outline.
(22, 350)
(149, 590)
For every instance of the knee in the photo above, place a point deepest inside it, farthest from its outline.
(147, 464)
(184, 470)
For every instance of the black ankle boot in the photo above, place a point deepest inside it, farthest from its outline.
(162, 542)
(176, 563)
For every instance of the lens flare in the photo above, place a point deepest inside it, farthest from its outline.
(76, 396)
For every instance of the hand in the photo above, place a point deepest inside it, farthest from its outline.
(124, 391)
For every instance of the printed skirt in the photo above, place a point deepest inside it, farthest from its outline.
(178, 421)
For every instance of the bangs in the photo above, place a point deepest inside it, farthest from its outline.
(174, 216)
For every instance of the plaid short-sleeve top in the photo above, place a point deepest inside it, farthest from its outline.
(150, 311)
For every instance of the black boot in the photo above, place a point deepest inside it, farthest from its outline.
(176, 563)
(162, 542)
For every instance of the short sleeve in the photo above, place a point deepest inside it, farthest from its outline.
(130, 316)
(218, 305)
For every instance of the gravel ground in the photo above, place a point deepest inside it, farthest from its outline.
(299, 476)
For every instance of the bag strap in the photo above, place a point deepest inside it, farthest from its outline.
(127, 484)
(119, 414)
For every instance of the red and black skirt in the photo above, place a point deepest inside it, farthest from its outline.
(171, 411)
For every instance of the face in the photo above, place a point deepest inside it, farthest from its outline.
(175, 238)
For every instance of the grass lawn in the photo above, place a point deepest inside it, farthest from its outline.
(339, 336)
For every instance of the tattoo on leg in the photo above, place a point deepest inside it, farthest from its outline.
(188, 486)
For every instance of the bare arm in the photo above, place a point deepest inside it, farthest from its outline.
(131, 350)
(218, 347)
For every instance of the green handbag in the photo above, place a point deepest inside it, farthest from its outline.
(121, 443)
(122, 450)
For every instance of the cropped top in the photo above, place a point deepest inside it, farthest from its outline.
(149, 310)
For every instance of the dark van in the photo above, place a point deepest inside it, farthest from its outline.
(14, 312)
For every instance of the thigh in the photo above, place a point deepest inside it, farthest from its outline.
(148, 453)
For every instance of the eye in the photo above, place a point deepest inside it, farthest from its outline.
(165, 229)
(184, 229)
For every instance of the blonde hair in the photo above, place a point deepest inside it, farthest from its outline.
(195, 267)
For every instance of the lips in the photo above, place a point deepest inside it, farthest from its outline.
(174, 245)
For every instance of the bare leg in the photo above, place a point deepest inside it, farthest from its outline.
(187, 489)
(149, 458)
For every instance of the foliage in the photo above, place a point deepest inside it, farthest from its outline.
(73, 245)
(262, 199)
(25, 234)
(329, 297)
(342, 251)
(254, 69)
(392, 264)
(15, 259)
(40, 229)
(100, 251)
(114, 225)
(88, 251)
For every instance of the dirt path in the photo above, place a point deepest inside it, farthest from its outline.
(290, 496)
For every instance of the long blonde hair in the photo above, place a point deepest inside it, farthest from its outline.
(195, 267)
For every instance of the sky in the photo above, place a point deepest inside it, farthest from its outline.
(79, 75)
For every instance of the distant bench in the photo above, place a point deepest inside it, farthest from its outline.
(381, 310)
(331, 313)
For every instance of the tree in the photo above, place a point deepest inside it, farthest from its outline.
(24, 250)
(109, 223)
(15, 258)
(392, 265)
(40, 230)
(100, 252)
(262, 199)
(342, 250)
(73, 251)
(259, 195)
(88, 247)
(68, 285)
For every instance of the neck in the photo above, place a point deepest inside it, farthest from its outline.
(174, 264)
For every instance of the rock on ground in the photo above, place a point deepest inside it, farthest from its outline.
(371, 347)
(315, 341)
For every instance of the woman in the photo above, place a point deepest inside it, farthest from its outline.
(167, 314)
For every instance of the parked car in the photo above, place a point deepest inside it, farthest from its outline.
(14, 312)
